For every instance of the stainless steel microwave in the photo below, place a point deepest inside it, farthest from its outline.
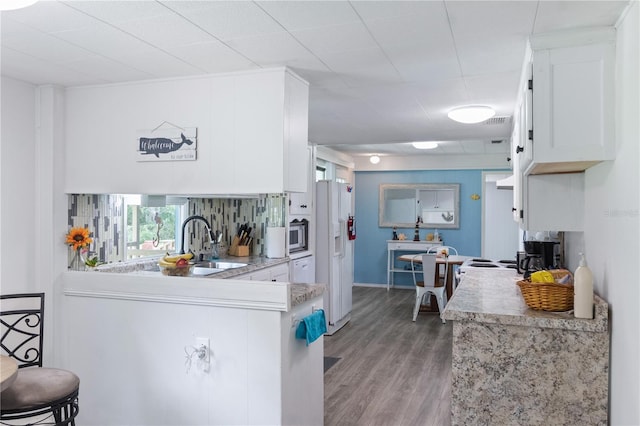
(298, 235)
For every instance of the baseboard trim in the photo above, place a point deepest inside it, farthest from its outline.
(397, 287)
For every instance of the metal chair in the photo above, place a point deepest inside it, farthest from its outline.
(427, 285)
(40, 395)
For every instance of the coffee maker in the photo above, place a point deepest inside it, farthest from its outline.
(540, 255)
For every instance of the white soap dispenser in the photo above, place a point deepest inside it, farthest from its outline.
(583, 290)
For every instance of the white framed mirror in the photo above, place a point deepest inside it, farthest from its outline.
(437, 205)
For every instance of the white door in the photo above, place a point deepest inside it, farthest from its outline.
(500, 236)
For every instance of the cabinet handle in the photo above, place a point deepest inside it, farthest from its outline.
(530, 135)
(513, 209)
(519, 149)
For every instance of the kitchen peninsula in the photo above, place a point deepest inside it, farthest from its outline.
(515, 365)
(132, 335)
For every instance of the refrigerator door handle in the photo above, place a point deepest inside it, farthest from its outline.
(343, 239)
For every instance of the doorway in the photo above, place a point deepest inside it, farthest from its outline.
(500, 233)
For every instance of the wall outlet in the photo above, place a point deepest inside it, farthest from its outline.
(203, 350)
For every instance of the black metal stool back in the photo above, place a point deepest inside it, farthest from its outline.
(40, 395)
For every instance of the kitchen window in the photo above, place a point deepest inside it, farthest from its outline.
(152, 225)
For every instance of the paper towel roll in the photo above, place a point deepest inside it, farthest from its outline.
(275, 242)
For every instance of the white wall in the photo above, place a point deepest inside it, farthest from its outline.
(611, 236)
(17, 188)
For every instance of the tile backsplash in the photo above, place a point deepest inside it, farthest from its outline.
(104, 216)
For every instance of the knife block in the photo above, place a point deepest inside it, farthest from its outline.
(236, 249)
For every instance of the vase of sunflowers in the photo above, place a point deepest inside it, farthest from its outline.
(78, 240)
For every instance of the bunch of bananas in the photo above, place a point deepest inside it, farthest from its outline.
(542, 277)
(177, 264)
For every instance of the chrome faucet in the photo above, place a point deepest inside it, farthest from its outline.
(184, 225)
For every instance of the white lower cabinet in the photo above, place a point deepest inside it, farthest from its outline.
(279, 273)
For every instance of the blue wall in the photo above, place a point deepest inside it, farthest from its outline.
(370, 258)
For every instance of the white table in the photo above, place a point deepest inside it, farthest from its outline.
(450, 262)
(406, 246)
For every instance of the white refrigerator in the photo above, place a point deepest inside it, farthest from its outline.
(334, 251)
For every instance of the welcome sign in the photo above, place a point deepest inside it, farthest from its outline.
(170, 144)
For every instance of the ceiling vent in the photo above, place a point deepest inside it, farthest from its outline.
(505, 119)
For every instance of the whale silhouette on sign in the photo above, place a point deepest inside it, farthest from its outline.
(158, 146)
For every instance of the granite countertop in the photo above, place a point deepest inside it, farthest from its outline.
(148, 265)
(300, 293)
(494, 297)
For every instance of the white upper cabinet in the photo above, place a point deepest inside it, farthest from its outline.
(301, 203)
(251, 134)
(572, 107)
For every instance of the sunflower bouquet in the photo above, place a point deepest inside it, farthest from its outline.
(78, 239)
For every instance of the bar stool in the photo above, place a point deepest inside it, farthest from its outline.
(44, 395)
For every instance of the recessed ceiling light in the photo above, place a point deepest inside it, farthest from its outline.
(374, 159)
(15, 4)
(471, 114)
(425, 145)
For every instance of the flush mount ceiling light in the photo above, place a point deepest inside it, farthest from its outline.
(374, 159)
(471, 114)
(424, 145)
(15, 4)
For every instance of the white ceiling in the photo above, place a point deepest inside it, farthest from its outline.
(381, 73)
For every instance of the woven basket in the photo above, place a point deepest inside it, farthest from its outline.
(552, 297)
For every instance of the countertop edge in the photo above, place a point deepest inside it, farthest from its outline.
(495, 298)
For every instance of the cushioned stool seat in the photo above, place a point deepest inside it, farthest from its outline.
(36, 387)
(42, 396)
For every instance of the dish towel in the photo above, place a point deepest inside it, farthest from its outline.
(312, 326)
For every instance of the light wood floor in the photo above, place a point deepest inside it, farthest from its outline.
(393, 371)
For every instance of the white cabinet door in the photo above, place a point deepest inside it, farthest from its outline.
(300, 203)
(573, 107)
(296, 124)
(274, 273)
(554, 202)
(279, 272)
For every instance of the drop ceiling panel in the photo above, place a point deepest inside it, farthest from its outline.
(490, 53)
(272, 48)
(370, 10)
(160, 64)
(43, 46)
(104, 40)
(51, 16)
(212, 57)
(26, 68)
(558, 15)
(165, 31)
(120, 11)
(363, 67)
(336, 38)
(473, 18)
(420, 62)
(108, 70)
(231, 20)
(418, 29)
(299, 15)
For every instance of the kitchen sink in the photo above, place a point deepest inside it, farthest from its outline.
(219, 265)
(203, 271)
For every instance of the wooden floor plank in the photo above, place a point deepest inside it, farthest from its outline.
(392, 371)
